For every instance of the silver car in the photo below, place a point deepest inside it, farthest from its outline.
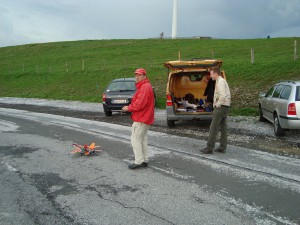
(281, 106)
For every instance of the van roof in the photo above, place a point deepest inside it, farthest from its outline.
(197, 63)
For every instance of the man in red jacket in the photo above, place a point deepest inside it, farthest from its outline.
(142, 108)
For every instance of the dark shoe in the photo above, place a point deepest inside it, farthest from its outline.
(144, 164)
(134, 166)
(220, 150)
(206, 151)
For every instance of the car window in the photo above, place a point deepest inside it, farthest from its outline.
(122, 86)
(277, 91)
(270, 92)
(285, 94)
(298, 93)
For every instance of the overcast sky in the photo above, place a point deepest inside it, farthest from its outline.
(36, 21)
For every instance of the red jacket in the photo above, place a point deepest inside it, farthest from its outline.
(142, 104)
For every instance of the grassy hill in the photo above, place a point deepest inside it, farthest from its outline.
(80, 70)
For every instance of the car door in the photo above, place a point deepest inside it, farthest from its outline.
(266, 104)
(273, 104)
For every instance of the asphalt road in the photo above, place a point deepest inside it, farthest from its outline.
(42, 183)
(243, 131)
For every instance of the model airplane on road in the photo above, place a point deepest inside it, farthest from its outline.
(85, 149)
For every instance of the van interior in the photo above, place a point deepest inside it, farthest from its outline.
(192, 92)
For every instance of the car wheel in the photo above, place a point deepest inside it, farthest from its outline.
(170, 123)
(277, 128)
(261, 117)
(108, 112)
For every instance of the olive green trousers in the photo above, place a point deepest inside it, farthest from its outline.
(219, 122)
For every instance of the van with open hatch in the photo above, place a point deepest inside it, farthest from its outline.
(190, 89)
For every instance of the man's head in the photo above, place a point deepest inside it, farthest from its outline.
(140, 74)
(215, 72)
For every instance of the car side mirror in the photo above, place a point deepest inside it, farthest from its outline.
(262, 94)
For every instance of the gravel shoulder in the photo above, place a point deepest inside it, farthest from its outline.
(244, 131)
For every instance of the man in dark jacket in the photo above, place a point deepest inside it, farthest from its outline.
(142, 108)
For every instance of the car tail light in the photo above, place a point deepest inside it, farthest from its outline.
(169, 100)
(103, 97)
(292, 109)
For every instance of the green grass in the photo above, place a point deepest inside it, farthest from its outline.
(105, 60)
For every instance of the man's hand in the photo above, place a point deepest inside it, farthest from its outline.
(125, 109)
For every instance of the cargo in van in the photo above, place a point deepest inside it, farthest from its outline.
(190, 90)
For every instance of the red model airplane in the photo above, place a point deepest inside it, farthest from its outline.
(85, 149)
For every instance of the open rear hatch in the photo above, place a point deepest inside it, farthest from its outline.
(192, 64)
(188, 85)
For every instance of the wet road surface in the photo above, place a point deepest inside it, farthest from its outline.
(42, 183)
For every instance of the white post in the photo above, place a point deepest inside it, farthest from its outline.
(252, 55)
(174, 22)
(295, 50)
(67, 69)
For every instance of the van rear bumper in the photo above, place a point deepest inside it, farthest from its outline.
(187, 115)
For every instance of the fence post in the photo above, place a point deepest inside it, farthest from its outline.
(67, 69)
(212, 54)
(252, 55)
(295, 50)
(82, 67)
(125, 61)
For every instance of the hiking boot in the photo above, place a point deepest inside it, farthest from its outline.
(134, 166)
(206, 151)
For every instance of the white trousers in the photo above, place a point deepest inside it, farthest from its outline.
(139, 142)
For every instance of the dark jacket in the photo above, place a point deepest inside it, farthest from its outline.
(210, 90)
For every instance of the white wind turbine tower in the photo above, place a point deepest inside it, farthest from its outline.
(174, 22)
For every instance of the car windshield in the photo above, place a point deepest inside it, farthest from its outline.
(270, 92)
(298, 93)
(121, 86)
(277, 91)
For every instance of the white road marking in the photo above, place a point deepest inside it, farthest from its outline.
(6, 126)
